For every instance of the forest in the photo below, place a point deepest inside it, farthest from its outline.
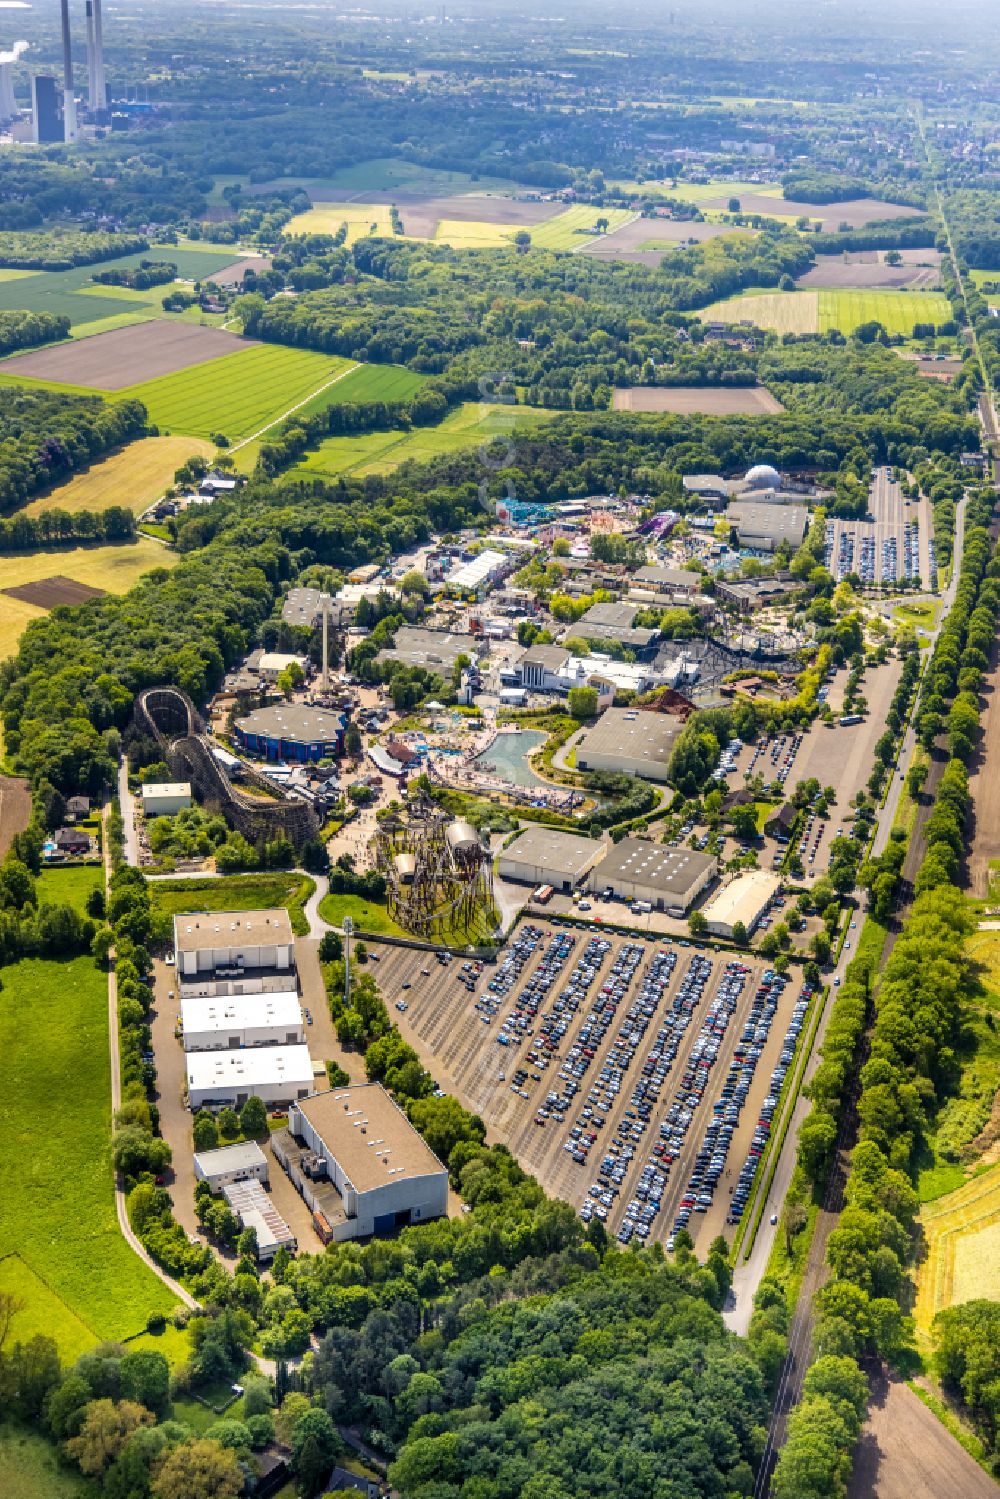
(62, 249)
(45, 436)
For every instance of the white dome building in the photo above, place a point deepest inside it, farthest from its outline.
(762, 476)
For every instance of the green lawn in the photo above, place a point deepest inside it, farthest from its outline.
(368, 916)
(237, 394)
(237, 892)
(69, 887)
(31, 1468)
(467, 426)
(56, 1181)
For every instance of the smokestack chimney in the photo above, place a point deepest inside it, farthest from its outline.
(99, 90)
(69, 99)
(91, 58)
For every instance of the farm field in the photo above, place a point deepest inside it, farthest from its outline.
(566, 230)
(127, 357)
(381, 452)
(30, 1468)
(134, 477)
(852, 273)
(716, 187)
(367, 382)
(962, 1230)
(59, 1209)
(462, 234)
(361, 219)
(743, 400)
(984, 279)
(238, 394)
(819, 311)
(113, 569)
(60, 292)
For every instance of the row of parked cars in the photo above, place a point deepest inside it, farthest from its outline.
(758, 1143)
(612, 993)
(509, 970)
(622, 1147)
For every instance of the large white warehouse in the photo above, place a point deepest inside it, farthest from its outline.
(238, 1020)
(230, 943)
(277, 1074)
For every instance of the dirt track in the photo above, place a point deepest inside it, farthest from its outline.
(127, 356)
(905, 1453)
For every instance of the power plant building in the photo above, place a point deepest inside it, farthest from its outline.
(46, 116)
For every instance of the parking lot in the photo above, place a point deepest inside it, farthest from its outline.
(897, 546)
(628, 1074)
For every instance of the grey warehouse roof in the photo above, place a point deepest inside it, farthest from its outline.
(202, 930)
(433, 649)
(632, 734)
(567, 852)
(670, 870)
(776, 522)
(244, 1156)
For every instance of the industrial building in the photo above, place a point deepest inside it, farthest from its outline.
(629, 741)
(229, 944)
(46, 115)
(434, 650)
(669, 879)
(255, 1210)
(666, 581)
(291, 731)
(540, 666)
(304, 607)
(231, 1163)
(756, 593)
(231, 1021)
(164, 798)
(272, 663)
(477, 575)
(765, 527)
(545, 856)
(359, 1164)
(276, 1074)
(744, 900)
(614, 622)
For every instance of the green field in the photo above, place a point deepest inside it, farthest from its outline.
(566, 230)
(70, 886)
(819, 311)
(237, 892)
(30, 1468)
(237, 394)
(63, 292)
(697, 192)
(56, 1180)
(897, 311)
(381, 452)
(391, 174)
(368, 382)
(362, 219)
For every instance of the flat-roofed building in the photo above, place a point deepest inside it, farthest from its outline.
(476, 575)
(765, 527)
(291, 731)
(670, 879)
(744, 900)
(666, 580)
(545, 856)
(750, 594)
(629, 741)
(277, 1074)
(273, 663)
(434, 650)
(540, 666)
(360, 1165)
(304, 607)
(231, 1163)
(229, 943)
(255, 1210)
(237, 1020)
(164, 798)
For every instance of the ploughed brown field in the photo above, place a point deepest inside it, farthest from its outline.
(126, 356)
(730, 400)
(230, 274)
(654, 231)
(905, 1453)
(49, 593)
(15, 809)
(866, 271)
(854, 212)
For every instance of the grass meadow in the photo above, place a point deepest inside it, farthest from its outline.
(567, 231)
(362, 219)
(962, 1231)
(71, 886)
(30, 1468)
(134, 477)
(381, 452)
(56, 1179)
(367, 382)
(237, 892)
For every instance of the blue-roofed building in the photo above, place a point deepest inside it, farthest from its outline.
(291, 731)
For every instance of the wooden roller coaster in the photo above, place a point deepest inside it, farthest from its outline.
(169, 715)
(438, 875)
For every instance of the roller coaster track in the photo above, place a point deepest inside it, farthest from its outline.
(169, 715)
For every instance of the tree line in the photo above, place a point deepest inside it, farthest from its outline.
(46, 436)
